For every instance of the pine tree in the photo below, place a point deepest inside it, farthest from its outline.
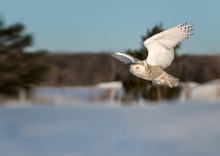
(19, 69)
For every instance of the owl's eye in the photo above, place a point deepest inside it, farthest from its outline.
(137, 67)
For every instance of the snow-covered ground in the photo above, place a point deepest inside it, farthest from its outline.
(183, 129)
(82, 121)
(209, 91)
(75, 95)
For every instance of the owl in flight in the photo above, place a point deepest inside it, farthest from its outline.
(160, 55)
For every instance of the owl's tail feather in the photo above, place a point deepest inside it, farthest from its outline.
(167, 79)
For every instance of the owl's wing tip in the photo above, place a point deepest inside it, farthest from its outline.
(127, 59)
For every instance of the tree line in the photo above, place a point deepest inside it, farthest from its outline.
(90, 69)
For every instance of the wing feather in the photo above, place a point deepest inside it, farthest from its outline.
(127, 59)
(160, 46)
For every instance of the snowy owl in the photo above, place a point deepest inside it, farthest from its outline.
(160, 55)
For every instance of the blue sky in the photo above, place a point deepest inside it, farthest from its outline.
(113, 25)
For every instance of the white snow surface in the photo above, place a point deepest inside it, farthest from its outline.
(209, 91)
(113, 84)
(171, 129)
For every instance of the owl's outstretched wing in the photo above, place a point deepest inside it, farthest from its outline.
(127, 59)
(160, 46)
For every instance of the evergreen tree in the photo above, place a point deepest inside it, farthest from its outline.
(137, 87)
(19, 69)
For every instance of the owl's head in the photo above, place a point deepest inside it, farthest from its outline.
(137, 68)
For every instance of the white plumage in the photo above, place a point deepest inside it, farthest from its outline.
(127, 59)
(160, 55)
(160, 46)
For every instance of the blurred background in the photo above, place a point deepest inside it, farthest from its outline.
(61, 92)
